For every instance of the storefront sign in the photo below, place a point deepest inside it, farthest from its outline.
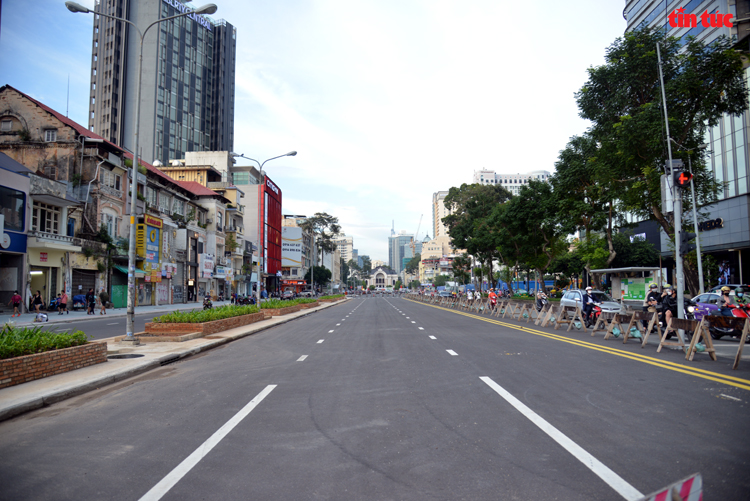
(711, 225)
(273, 187)
(43, 257)
(206, 265)
(153, 221)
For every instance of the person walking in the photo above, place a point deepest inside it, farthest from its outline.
(90, 301)
(63, 304)
(103, 299)
(37, 301)
(16, 302)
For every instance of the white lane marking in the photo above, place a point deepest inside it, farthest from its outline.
(302, 358)
(413, 322)
(183, 468)
(421, 328)
(330, 331)
(321, 341)
(623, 488)
(433, 337)
(730, 398)
(407, 318)
(337, 325)
(116, 323)
(452, 353)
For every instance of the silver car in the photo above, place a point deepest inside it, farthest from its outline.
(608, 305)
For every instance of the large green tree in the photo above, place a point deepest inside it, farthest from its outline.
(325, 228)
(623, 101)
(462, 268)
(413, 265)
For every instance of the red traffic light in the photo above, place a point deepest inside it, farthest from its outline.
(682, 179)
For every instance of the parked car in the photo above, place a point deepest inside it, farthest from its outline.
(608, 305)
(288, 294)
(445, 294)
(717, 289)
(706, 304)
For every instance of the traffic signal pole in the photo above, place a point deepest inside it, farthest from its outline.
(677, 194)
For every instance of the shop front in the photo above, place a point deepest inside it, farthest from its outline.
(148, 247)
(45, 273)
(296, 285)
(205, 279)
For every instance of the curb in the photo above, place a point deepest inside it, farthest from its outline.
(94, 384)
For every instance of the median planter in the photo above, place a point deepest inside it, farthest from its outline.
(275, 312)
(19, 370)
(161, 329)
(307, 306)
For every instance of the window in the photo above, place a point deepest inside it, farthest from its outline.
(219, 219)
(50, 135)
(50, 171)
(45, 218)
(151, 196)
(13, 207)
(177, 207)
(165, 201)
(112, 180)
(6, 125)
(110, 222)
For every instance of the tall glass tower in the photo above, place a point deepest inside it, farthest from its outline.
(188, 83)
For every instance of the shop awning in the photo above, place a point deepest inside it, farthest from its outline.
(138, 273)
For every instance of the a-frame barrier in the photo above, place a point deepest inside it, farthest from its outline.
(653, 323)
(743, 339)
(702, 331)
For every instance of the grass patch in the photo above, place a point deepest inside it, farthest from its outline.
(200, 316)
(334, 296)
(277, 304)
(20, 341)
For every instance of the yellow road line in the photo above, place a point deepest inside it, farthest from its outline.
(701, 373)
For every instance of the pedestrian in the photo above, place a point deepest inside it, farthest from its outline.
(103, 299)
(16, 302)
(37, 301)
(63, 304)
(90, 302)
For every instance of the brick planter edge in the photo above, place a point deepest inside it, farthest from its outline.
(20, 370)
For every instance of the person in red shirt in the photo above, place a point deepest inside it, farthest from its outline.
(16, 302)
(493, 299)
(63, 303)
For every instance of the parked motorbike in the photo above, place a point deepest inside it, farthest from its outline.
(207, 304)
(593, 317)
(732, 310)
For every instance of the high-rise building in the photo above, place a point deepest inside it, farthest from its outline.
(345, 245)
(439, 211)
(511, 182)
(187, 85)
(397, 249)
(728, 242)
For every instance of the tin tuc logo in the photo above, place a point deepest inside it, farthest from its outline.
(678, 19)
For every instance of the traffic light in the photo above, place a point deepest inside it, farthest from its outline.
(682, 179)
(685, 245)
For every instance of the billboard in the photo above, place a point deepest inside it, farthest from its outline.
(291, 247)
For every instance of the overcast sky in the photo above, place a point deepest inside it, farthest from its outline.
(386, 101)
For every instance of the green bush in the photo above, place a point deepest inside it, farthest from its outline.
(17, 341)
(199, 316)
(275, 304)
(334, 296)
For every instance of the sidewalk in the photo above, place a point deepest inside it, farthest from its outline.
(25, 397)
(81, 316)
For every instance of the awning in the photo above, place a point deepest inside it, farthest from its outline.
(138, 273)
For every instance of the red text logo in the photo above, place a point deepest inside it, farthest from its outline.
(678, 19)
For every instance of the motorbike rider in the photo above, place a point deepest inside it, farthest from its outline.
(739, 297)
(493, 298)
(541, 300)
(652, 302)
(725, 301)
(669, 303)
(588, 304)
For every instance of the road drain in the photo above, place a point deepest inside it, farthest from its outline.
(128, 355)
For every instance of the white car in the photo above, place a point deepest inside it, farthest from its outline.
(608, 305)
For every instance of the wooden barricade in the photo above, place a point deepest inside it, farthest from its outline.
(673, 327)
(703, 331)
(568, 315)
(524, 310)
(616, 323)
(637, 320)
(534, 314)
(743, 339)
(553, 312)
(602, 322)
(502, 305)
(510, 309)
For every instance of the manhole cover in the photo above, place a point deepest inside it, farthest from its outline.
(128, 355)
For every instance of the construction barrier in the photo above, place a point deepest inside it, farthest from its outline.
(569, 315)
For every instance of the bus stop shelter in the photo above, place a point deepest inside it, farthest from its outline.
(631, 284)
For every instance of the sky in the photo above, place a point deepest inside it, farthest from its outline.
(385, 101)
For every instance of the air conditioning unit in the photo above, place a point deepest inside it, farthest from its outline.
(209, 221)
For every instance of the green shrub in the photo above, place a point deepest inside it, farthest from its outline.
(199, 316)
(19, 341)
(334, 296)
(275, 304)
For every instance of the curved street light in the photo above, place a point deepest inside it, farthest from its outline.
(76, 8)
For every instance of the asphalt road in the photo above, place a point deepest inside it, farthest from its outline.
(102, 327)
(383, 398)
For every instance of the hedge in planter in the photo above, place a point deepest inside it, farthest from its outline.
(201, 316)
(19, 341)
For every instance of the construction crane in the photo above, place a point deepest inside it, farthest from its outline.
(413, 240)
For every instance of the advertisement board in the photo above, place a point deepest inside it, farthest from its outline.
(291, 247)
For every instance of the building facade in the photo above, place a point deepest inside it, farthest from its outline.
(187, 93)
(725, 232)
(511, 182)
(439, 211)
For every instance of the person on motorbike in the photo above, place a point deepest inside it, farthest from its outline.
(652, 302)
(725, 301)
(541, 300)
(669, 304)
(739, 297)
(588, 305)
(493, 299)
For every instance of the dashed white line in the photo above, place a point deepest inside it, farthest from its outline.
(452, 353)
(300, 359)
(610, 477)
(421, 328)
(116, 323)
(160, 489)
(321, 341)
(433, 337)
(337, 325)
(330, 331)
(413, 322)
(731, 398)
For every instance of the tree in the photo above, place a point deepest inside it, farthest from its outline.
(440, 280)
(353, 266)
(398, 285)
(468, 223)
(324, 227)
(366, 265)
(462, 269)
(413, 265)
(322, 276)
(623, 100)
(344, 270)
(414, 284)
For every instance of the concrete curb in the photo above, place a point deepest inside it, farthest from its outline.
(37, 400)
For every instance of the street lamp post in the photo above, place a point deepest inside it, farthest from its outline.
(261, 241)
(75, 7)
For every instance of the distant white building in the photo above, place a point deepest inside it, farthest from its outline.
(511, 182)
